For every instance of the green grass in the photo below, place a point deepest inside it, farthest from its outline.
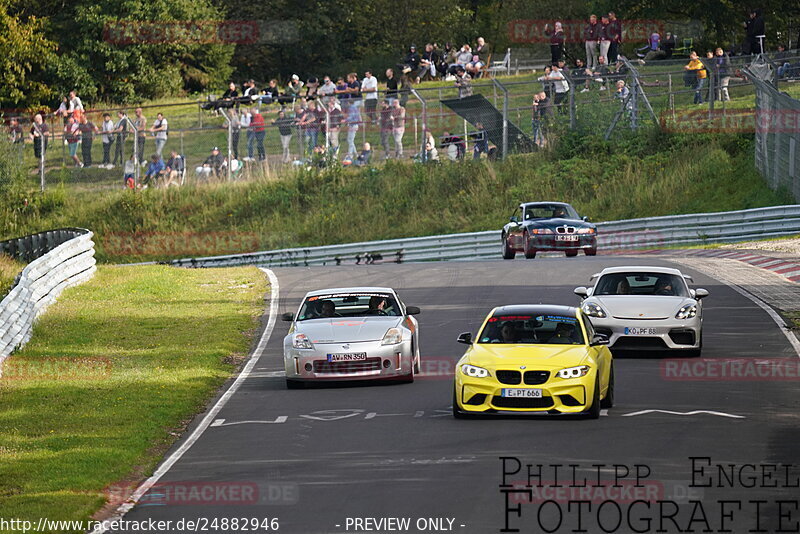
(9, 269)
(114, 371)
(647, 175)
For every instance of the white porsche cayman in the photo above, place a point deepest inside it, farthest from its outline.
(355, 333)
(645, 308)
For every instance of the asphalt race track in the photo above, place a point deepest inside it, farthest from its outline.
(316, 457)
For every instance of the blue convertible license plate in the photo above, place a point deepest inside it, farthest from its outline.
(524, 393)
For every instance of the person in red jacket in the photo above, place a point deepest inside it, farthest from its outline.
(259, 131)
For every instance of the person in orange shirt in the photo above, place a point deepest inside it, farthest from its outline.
(700, 72)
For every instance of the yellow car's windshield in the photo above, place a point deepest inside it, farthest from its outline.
(532, 329)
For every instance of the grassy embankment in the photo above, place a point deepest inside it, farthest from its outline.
(114, 372)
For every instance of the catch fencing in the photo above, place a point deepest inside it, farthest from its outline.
(56, 260)
(613, 236)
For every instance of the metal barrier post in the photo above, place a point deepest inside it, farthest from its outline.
(503, 88)
(136, 170)
(229, 123)
(423, 152)
(42, 148)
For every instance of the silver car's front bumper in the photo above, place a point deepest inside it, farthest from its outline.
(651, 334)
(383, 361)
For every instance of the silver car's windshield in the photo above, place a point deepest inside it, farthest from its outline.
(642, 283)
(349, 305)
(550, 211)
(536, 329)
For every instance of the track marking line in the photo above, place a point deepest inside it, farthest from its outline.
(208, 419)
(694, 412)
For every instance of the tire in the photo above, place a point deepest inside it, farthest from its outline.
(594, 410)
(508, 252)
(294, 384)
(608, 401)
(406, 379)
(417, 358)
(530, 253)
(590, 251)
(571, 253)
(457, 413)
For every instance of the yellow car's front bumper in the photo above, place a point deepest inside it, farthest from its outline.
(485, 395)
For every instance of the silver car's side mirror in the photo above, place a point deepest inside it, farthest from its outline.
(700, 293)
(412, 310)
(581, 291)
(288, 316)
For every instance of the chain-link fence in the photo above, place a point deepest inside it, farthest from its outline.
(454, 119)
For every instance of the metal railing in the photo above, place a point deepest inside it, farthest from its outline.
(631, 234)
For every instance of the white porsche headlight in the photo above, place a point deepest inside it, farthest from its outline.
(393, 336)
(687, 312)
(474, 371)
(301, 341)
(593, 310)
(573, 372)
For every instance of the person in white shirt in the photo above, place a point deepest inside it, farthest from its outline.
(244, 124)
(107, 135)
(369, 87)
(159, 129)
(560, 85)
(75, 103)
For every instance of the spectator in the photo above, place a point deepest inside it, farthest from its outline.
(454, 146)
(556, 42)
(386, 125)
(615, 35)
(236, 128)
(364, 156)
(88, 131)
(259, 132)
(353, 120)
(154, 170)
(480, 141)
(668, 45)
(284, 125)
(312, 86)
(72, 135)
(160, 128)
(245, 122)
(75, 109)
(622, 94)
(250, 89)
(272, 92)
(480, 58)
(63, 109)
(405, 89)
(652, 50)
(328, 90)
(231, 93)
(590, 37)
(140, 123)
(428, 63)
(391, 86)
(599, 75)
(754, 27)
(463, 82)
(463, 59)
(369, 86)
(449, 57)
(310, 126)
(39, 134)
(696, 67)
(107, 136)
(398, 127)
(354, 89)
(604, 37)
(546, 115)
(581, 75)
(298, 121)
(334, 126)
(213, 163)
(294, 88)
(173, 170)
(121, 129)
(129, 172)
(560, 87)
(411, 61)
(15, 135)
(785, 69)
(536, 120)
(341, 90)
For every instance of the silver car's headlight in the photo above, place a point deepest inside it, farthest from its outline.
(393, 336)
(573, 372)
(593, 310)
(474, 371)
(301, 341)
(687, 312)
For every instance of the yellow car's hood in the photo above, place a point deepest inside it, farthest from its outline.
(546, 356)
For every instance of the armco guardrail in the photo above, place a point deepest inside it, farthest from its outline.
(647, 233)
(57, 259)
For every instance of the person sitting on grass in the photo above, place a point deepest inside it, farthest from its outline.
(212, 165)
(364, 156)
(129, 173)
(173, 169)
(154, 170)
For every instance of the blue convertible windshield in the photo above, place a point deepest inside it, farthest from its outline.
(550, 211)
(348, 305)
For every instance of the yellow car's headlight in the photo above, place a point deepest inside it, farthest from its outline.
(573, 372)
(474, 371)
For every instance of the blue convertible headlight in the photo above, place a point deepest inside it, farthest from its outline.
(687, 312)
(573, 372)
(301, 341)
(474, 371)
(593, 310)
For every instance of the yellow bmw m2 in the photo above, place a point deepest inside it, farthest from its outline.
(534, 358)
